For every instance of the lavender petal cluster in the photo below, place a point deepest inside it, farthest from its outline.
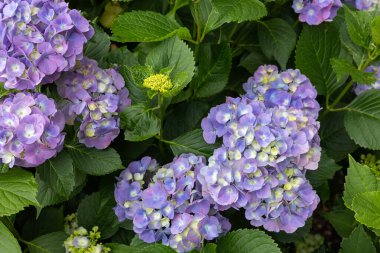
(364, 5)
(314, 12)
(292, 91)
(95, 97)
(30, 129)
(171, 208)
(39, 39)
(265, 132)
(286, 206)
(360, 88)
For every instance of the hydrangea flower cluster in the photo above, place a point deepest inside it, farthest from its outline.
(39, 39)
(311, 243)
(360, 88)
(314, 12)
(96, 96)
(170, 208)
(82, 241)
(158, 82)
(372, 162)
(30, 129)
(270, 138)
(285, 202)
(366, 5)
(71, 223)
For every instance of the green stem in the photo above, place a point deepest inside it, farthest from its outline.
(363, 65)
(199, 29)
(233, 31)
(342, 93)
(161, 116)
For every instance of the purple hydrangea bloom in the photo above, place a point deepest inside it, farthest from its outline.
(270, 128)
(170, 208)
(360, 88)
(271, 86)
(39, 39)
(317, 11)
(268, 131)
(97, 96)
(30, 129)
(286, 205)
(366, 5)
(294, 92)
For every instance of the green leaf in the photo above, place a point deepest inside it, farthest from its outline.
(173, 54)
(298, 235)
(359, 179)
(120, 56)
(191, 142)
(343, 67)
(156, 248)
(8, 244)
(146, 26)
(50, 220)
(334, 138)
(99, 44)
(210, 248)
(247, 241)
(120, 248)
(18, 189)
(139, 123)
(138, 243)
(253, 60)
(362, 120)
(358, 25)
(213, 70)
(93, 161)
(277, 40)
(358, 53)
(97, 210)
(58, 174)
(134, 78)
(3, 91)
(184, 118)
(358, 242)
(326, 170)
(45, 195)
(366, 206)
(342, 220)
(226, 11)
(49, 243)
(375, 27)
(316, 46)
(323, 192)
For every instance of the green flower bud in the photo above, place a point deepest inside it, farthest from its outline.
(158, 82)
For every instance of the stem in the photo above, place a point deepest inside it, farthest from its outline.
(233, 31)
(199, 28)
(341, 95)
(361, 67)
(161, 116)
(203, 245)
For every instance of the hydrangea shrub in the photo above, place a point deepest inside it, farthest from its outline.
(207, 126)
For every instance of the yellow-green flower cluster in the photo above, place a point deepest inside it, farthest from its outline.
(158, 82)
(82, 241)
(310, 244)
(371, 161)
(71, 223)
